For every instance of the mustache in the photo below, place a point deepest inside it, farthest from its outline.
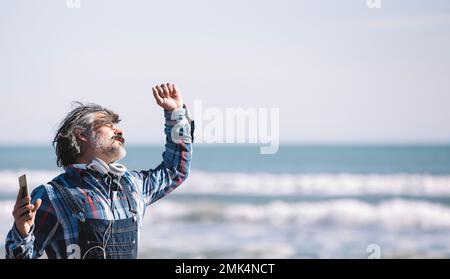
(118, 137)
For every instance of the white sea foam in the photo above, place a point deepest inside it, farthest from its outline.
(391, 214)
(268, 184)
(332, 229)
(328, 229)
(318, 184)
(9, 183)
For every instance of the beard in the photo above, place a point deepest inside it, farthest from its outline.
(108, 147)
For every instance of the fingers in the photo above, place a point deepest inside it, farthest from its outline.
(19, 194)
(20, 212)
(170, 87)
(37, 204)
(165, 89)
(161, 94)
(22, 202)
(25, 217)
(158, 98)
(167, 96)
(24, 207)
(161, 91)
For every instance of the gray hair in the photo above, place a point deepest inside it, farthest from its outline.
(83, 119)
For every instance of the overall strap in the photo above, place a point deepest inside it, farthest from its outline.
(69, 199)
(131, 200)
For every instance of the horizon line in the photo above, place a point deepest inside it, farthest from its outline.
(287, 143)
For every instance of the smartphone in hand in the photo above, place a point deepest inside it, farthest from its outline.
(23, 187)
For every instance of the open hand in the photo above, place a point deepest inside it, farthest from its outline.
(168, 96)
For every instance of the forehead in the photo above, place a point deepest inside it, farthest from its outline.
(102, 118)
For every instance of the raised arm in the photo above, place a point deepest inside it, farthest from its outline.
(174, 169)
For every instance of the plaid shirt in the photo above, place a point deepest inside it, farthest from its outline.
(55, 230)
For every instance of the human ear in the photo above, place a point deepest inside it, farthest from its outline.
(80, 135)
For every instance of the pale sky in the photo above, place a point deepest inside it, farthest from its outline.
(338, 71)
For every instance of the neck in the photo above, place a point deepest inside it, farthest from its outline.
(86, 159)
(104, 159)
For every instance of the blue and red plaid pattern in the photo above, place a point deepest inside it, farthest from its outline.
(55, 230)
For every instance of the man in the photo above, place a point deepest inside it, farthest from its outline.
(95, 208)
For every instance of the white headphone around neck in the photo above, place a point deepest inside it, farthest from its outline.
(103, 168)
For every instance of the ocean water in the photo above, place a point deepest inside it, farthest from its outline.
(303, 202)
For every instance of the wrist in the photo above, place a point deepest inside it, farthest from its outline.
(20, 232)
(175, 115)
(19, 237)
(174, 109)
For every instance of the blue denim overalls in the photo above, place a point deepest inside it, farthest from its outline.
(104, 239)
